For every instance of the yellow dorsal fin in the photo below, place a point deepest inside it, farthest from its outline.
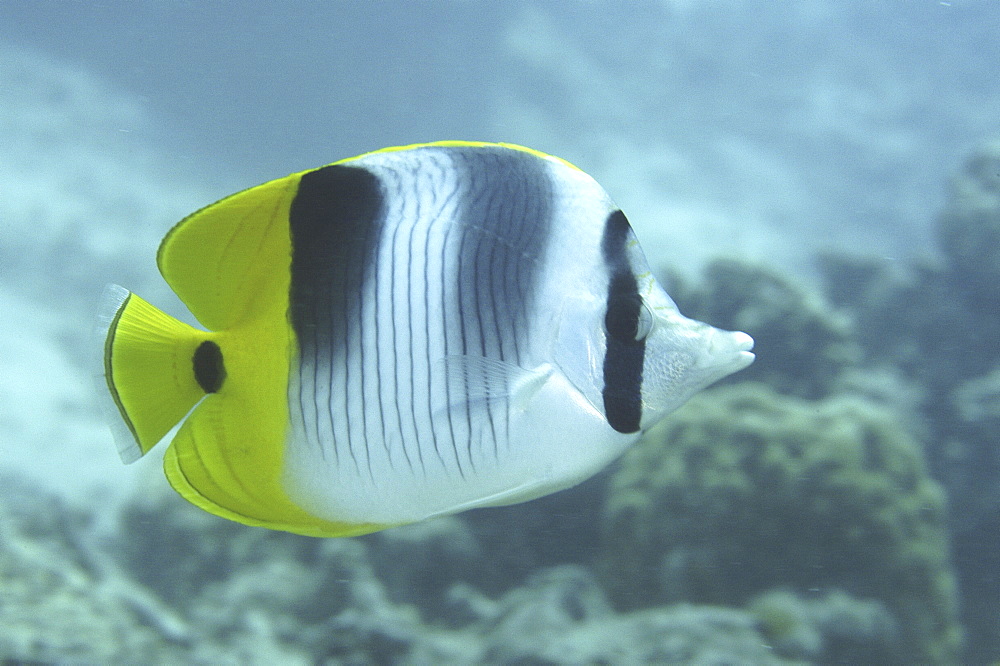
(219, 258)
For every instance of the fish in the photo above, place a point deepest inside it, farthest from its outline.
(409, 333)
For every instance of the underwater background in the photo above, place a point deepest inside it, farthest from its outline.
(824, 175)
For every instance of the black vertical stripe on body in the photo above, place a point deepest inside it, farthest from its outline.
(624, 356)
(481, 307)
(334, 223)
(377, 330)
(411, 310)
(398, 345)
(505, 218)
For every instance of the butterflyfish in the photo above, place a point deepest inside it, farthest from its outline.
(409, 333)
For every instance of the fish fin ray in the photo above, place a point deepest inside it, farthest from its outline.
(148, 370)
(222, 258)
(479, 381)
(220, 477)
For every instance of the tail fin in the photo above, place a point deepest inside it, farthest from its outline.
(149, 368)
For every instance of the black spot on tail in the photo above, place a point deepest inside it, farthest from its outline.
(209, 369)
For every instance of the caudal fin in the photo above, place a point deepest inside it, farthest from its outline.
(151, 368)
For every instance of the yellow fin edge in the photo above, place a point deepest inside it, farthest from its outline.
(463, 144)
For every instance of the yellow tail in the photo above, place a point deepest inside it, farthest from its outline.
(156, 367)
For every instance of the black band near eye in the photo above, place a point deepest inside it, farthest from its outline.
(622, 317)
(625, 354)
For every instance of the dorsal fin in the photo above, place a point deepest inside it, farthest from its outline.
(220, 258)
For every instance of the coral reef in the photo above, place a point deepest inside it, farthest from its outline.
(744, 489)
(55, 607)
(965, 405)
(207, 592)
(561, 616)
(937, 323)
(974, 435)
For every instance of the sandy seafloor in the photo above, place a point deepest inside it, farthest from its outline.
(758, 131)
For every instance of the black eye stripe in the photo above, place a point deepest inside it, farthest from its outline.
(616, 233)
(624, 355)
(624, 307)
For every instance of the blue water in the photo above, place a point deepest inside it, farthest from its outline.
(764, 132)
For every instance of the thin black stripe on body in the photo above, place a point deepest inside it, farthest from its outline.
(624, 356)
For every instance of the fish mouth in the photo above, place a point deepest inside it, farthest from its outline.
(728, 351)
(743, 343)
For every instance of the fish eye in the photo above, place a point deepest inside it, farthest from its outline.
(628, 319)
(645, 323)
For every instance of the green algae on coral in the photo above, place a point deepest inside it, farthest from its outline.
(832, 628)
(744, 489)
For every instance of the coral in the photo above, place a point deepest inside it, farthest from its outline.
(974, 445)
(978, 400)
(937, 323)
(561, 616)
(914, 320)
(418, 563)
(248, 592)
(833, 628)
(245, 595)
(974, 448)
(55, 607)
(802, 342)
(744, 489)
(969, 227)
(175, 586)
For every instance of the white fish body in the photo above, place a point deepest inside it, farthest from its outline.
(521, 414)
(409, 333)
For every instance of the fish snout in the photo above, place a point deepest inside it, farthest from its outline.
(728, 350)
